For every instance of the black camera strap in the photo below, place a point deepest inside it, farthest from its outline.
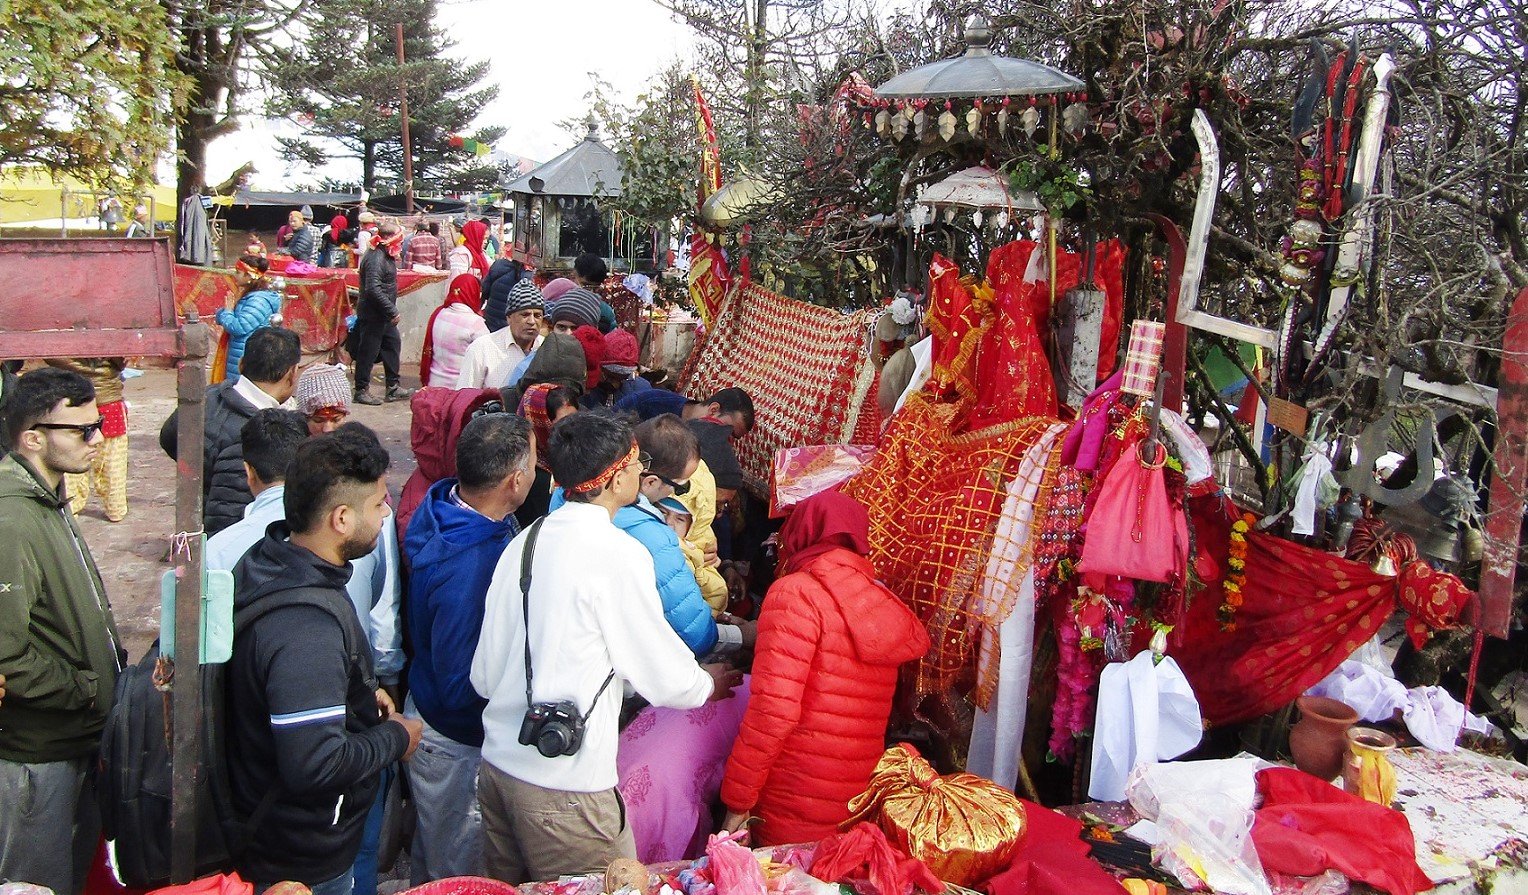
(527, 556)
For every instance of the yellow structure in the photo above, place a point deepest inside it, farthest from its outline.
(33, 197)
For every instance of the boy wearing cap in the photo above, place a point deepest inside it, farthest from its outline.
(618, 372)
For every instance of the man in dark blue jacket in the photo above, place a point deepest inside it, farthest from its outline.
(310, 732)
(453, 544)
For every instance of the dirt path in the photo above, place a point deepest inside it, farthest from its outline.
(132, 554)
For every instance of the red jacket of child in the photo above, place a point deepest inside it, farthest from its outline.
(825, 668)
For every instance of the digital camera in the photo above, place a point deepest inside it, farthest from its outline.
(554, 728)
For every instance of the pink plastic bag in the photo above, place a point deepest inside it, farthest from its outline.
(734, 869)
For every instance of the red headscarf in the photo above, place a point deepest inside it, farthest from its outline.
(533, 408)
(465, 290)
(475, 232)
(337, 224)
(823, 522)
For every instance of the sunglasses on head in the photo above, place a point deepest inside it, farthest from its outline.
(87, 430)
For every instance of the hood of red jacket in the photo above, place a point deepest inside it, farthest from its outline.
(439, 415)
(883, 630)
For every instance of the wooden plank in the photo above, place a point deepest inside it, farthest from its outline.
(187, 776)
(90, 343)
(1504, 514)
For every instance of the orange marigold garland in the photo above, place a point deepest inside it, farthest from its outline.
(1236, 573)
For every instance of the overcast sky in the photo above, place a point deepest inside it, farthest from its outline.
(540, 56)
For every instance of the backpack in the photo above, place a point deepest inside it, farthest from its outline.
(133, 778)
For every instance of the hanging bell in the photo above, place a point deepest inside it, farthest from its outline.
(1030, 120)
(974, 122)
(899, 124)
(882, 123)
(1384, 565)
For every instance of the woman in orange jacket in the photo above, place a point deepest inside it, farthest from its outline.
(830, 640)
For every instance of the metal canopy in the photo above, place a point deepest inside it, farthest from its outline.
(980, 188)
(589, 169)
(978, 73)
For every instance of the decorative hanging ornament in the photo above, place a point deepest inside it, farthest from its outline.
(1030, 120)
(920, 124)
(1075, 119)
(882, 123)
(1001, 219)
(947, 124)
(974, 121)
(900, 123)
(976, 218)
(949, 215)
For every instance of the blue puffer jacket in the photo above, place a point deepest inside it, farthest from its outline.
(253, 311)
(683, 606)
(452, 553)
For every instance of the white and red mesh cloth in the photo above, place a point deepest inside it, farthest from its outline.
(806, 367)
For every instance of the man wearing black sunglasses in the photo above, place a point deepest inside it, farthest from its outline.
(58, 641)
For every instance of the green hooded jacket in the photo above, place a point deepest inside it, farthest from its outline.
(59, 649)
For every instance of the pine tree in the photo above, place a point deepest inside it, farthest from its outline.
(340, 85)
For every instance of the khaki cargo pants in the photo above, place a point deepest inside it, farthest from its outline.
(531, 833)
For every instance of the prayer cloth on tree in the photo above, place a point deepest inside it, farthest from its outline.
(807, 369)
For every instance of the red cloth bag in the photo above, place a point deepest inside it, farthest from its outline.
(1307, 826)
(1134, 531)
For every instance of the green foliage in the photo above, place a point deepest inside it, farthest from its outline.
(87, 88)
(656, 139)
(340, 85)
(1059, 186)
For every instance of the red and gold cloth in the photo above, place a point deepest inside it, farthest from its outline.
(1433, 600)
(934, 498)
(314, 308)
(965, 828)
(800, 472)
(1304, 611)
(807, 369)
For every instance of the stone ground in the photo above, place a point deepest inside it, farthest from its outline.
(132, 554)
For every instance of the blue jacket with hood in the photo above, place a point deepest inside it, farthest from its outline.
(451, 553)
(683, 606)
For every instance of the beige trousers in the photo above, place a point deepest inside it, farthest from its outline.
(532, 834)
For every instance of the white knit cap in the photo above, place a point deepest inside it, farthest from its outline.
(323, 385)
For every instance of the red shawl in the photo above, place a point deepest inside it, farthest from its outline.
(475, 232)
(823, 522)
(465, 290)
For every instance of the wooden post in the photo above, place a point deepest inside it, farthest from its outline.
(1504, 514)
(187, 774)
(408, 145)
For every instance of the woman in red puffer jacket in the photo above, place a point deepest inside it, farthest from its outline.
(830, 641)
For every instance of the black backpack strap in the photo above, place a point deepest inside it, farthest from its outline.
(527, 556)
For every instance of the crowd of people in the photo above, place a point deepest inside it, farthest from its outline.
(543, 634)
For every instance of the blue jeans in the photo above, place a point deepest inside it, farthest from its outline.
(364, 871)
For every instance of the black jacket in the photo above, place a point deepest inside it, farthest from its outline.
(501, 277)
(225, 489)
(379, 286)
(302, 716)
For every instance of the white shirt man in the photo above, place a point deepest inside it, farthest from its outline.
(595, 626)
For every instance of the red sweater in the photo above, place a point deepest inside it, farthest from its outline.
(830, 641)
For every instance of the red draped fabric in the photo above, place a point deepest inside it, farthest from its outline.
(1015, 378)
(1304, 612)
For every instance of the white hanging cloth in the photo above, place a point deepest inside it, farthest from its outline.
(1146, 713)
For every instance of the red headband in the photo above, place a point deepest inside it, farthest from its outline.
(604, 478)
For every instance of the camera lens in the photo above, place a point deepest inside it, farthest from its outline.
(553, 739)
